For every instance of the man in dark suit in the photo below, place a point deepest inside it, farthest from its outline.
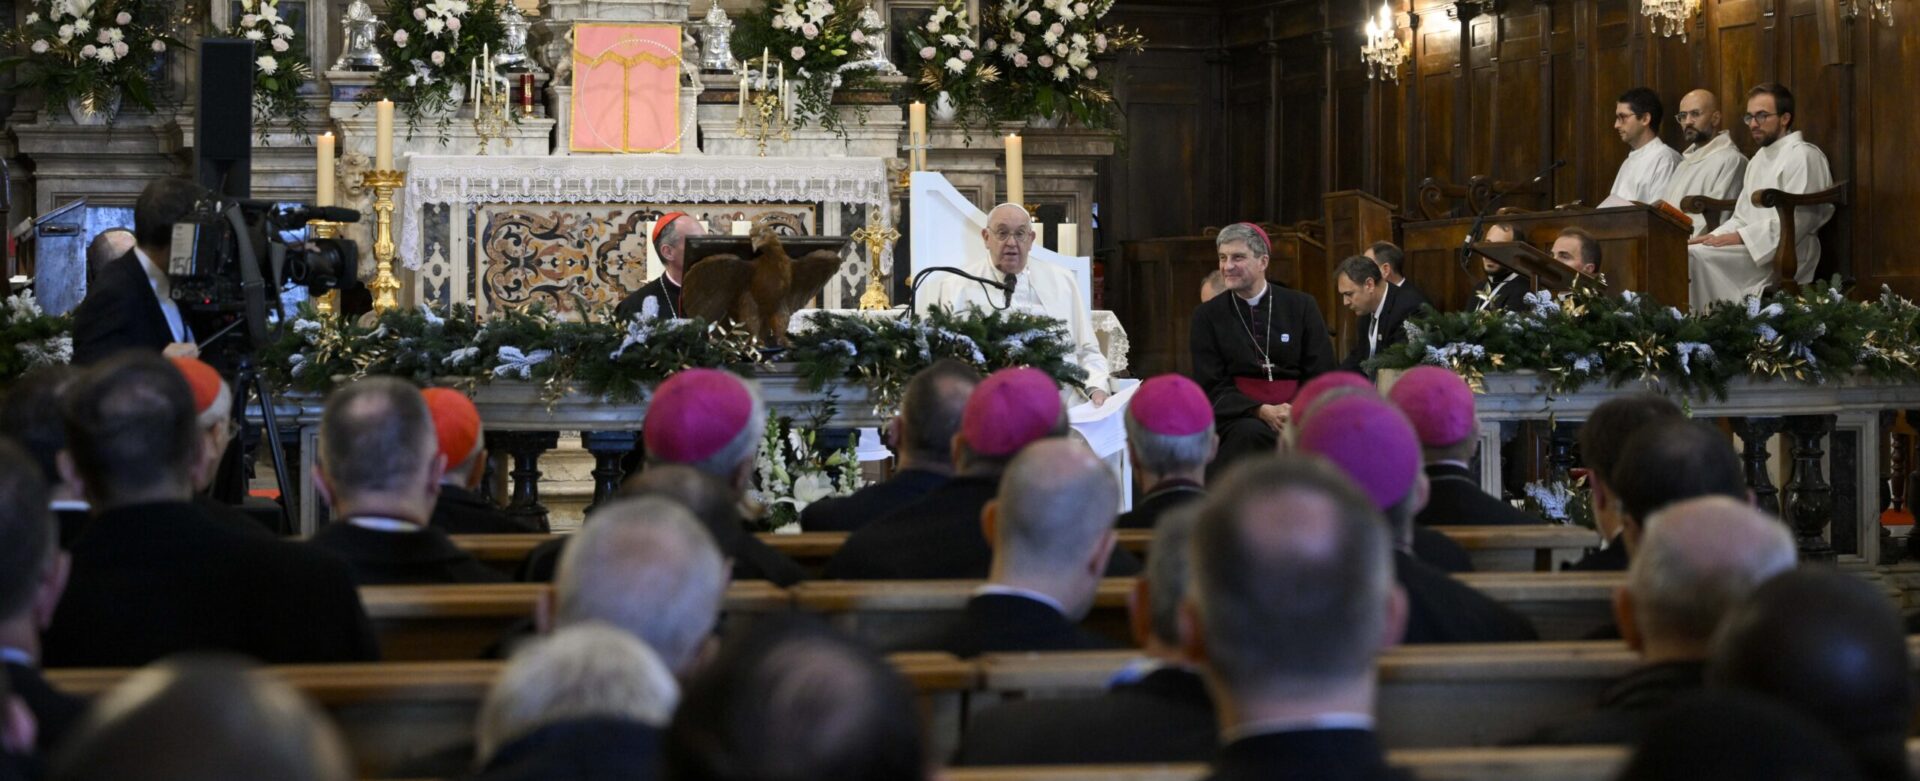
(130, 306)
(1292, 679)
(461, 509)
(1051, 528)
(1374, 445)
(379, 469)
(1440, 406)
(1503, 290)
(1694, 566)
(923, 439)
(33, 573)
(1382, 308)
(1156, 710)
(1170, 432)
(586, 702)
(661, 297)
(940, 536)
(30, 414)
(153, 575)
(1393, 271)
(1603, 439)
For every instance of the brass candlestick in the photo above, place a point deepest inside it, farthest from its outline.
(323, 229)
(765, 121)
(877, 235)
(386, 287)
(490, 118)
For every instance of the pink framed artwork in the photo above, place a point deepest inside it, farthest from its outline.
(626, 88)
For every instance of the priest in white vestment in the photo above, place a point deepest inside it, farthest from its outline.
(1711, 165)
(1040, 288)
(1736, 260)
(1643, 175)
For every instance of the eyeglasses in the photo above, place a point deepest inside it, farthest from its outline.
(1757, 117)
(1003, 235)
(1686, 115)
(1623, 117)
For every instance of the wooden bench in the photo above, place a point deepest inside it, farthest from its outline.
(1575, 763)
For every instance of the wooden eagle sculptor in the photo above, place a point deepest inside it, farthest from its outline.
(761, 293)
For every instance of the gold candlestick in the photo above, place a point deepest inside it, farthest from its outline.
(386, 287)
(877, 235)
(323, 229)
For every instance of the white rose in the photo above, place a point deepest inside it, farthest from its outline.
(1046, 61)
(399, 37)
(927, 53)
(1019, 37)
(1019, 60)
(1062, 50)
(810, 31)
(799, 53)
(420, 14)
(439, 58)
(1080, 9)
(857, 37)
(39, 47)
(966, 55)
(256, 35)
(249, 20)
(1092, 72)
(267, 64)
(66, 33)
(280, 45)
(87, 51)
(1057, 29)
(1060, 73)
(104, 37)
(453, 24)
(120, 49)
(956, 65)
(159, 46)
(1033, 17)
(123, 19)
(1100, 42)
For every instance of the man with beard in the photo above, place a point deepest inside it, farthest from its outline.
(1711, 165)
(1736, 259)
(1504, 289)
(1643, 175)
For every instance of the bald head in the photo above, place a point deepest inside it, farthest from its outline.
(1009, 237)
(203, 719)
(1698, 559)
(109, 245)
(646, 566)
(1055, 514)
(1699, 117)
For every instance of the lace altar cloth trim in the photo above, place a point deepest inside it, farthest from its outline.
(464, 179)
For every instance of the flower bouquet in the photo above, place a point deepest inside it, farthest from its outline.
(88, 54)
(1047, 48)
(794, 470)
(281, 69)
(30, 338)
(812, 39)
(954, 74)
(430, 52)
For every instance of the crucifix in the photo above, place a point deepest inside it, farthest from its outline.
(877, 236)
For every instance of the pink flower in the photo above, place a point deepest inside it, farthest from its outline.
(439, 58)
(86, 52)
(123, 19)
(1057, 29)
(399, 37)
(799, 53)
(420, 14)
(120, 49)
(966, 55)
(280, 45)
(1092, 72)
(1019, 60)
(810, 30)
(858, 37)
(1033, 17)
(1080, 9)
(453, 23)
(40, 47)
(159, 46)
(927, 53)
(1046, 60)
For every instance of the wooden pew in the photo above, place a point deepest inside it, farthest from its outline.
(1643, 249)
(1575, 763)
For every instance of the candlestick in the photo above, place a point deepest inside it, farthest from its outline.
(917, 135)
(385, 286)
(1069, 240)
(526, 94)
(383, 135)
(1016, 169)
(323, 171)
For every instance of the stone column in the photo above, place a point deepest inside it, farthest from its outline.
(526, 447)
(1754, 434)
(1809, 499)
(608, 449)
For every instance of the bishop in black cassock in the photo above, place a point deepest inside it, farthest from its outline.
(1254, 345)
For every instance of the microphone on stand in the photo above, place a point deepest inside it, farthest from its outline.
(913, 290)
(1466, 246)
(1011, 282)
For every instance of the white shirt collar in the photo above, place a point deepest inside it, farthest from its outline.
(380, 524)
(1336, 720)
(1380, 307)
(1015, 591)
(70, 505)
(1255, 301)
(156, 276)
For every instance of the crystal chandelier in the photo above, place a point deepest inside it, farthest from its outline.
(1881, 10)
(1382, 52)
(1669, 18)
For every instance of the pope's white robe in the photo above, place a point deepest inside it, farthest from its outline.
(1714, 169)
(1643, 175)
(1043, 289)
(1733, 273)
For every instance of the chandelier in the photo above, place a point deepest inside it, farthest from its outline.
(1669, 18)
(1382, 52)
(1879, 9)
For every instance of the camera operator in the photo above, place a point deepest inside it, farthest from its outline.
(130, 307)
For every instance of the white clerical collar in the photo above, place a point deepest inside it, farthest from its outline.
(1015, 591)
(1255, 301)
(69, 505)
(381, 524)
(1322, 721)
(156, 276)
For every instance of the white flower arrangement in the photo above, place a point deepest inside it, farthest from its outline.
(1048, 49)
(93, 53)
(792, 471)
(281, 71)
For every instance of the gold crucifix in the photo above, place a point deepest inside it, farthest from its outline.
(877, 236)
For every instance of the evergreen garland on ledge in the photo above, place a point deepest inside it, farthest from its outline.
(883, 353)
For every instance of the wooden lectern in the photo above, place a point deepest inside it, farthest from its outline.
(1642, 249)
(1528, 261)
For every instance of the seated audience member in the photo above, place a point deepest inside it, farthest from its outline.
(1577, 249)
(153, 575)
(30, 414)
(1170, 430)
(1440, 406)
(588, 702)
(1051, 529)
(213, 407)
(1156, 710)
(1829, 645)
(647, 567)
(1699, 559)
(712, 421)
(461, 509)
(1603, 438)
(1503, 289)
(940, 536)
(1375, 446)
(1393, 270)
(1667, 461)
(1728, 734)
(203, 719)
(33, 572)
(922, 438)
(1292, 679)
(379, 469)
(1214, 284)
(791, 699)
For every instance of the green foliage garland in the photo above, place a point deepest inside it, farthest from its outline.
(884, 353)
(30, 338)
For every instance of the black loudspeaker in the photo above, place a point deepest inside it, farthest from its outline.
(223, 121)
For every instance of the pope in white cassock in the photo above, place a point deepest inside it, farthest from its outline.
(1040, 288)
(1736, 259)
(1712, 164)
(1643, 175)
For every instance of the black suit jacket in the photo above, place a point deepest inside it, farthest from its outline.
(1414, 294)
(72, 524)
(661, 290)
(1443, 610)
(1509, 294)
(1309, 755)
(1629, 706)
(1612, 558)
(851, 512)
(938, 537)
(155, 579)
(1455, 499)
(1005, 623)
(381, 558)
(54, 711)
(1400, 305)
(1163, 498)
(1439, 551)
(1166, 716)
(587, 749)
(460, 511)
(119, 313)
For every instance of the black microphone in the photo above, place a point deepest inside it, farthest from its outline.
(1011, 282)
(913, 289)
(1466, 246)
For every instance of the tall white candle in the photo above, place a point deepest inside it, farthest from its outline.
(383, 135)
(1069, 240)
(1016, 170)
(917, 135)
(323, 171)
(473, 80)
(742, 227)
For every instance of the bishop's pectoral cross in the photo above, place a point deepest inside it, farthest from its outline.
(1268, 367)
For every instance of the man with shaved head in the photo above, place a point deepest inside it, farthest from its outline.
(1038, 287)
(1699, 559)
(1712, 164)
